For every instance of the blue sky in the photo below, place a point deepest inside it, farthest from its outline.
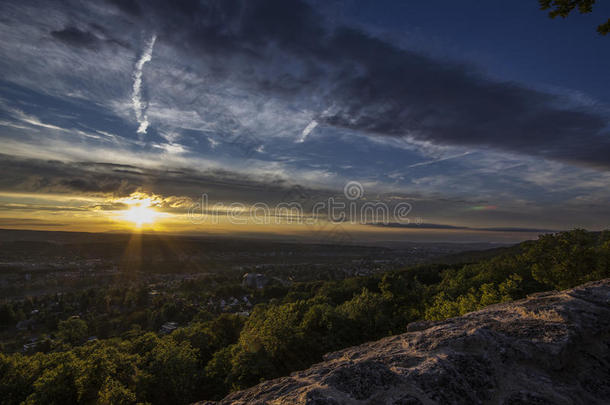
(514, 41)
(479, 114)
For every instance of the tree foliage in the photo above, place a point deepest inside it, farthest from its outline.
(563, 8)
(209, 358)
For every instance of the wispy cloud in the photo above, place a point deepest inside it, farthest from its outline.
(138, 105)
(213, 142)
(429, 162)
(310, 127)
(32, 120)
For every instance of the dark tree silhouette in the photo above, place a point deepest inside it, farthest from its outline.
(562, 8)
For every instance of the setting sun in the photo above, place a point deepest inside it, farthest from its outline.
(139, 212)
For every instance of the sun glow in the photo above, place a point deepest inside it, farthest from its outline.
(140, 212)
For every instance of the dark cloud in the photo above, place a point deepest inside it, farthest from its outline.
(117, 206)
(288, 50)
(34, 175)
(103, 184)
(417, 226)
(128, 6)
(513, 229)
(76, 37)
(93, 39)
(462, 228)
(91, 178)
(25, 222)
(24, 207)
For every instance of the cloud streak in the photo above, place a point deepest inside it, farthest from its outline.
(442, 159)
(310, 127)
(462, 228)
(139, 106)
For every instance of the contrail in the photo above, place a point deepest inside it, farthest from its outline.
(136, 97)
(310, 127)
(429, 162)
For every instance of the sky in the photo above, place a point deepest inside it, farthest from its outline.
(482, 121)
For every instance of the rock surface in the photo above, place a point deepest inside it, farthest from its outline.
(550, 348)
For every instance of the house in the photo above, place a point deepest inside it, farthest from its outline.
(168, 327)
(27, 324)
(31, 345)
(254, 280)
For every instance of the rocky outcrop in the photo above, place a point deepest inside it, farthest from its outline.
(550, 348)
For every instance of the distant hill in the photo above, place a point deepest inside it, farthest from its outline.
(163, 248)
(474, 256)
(41, 243)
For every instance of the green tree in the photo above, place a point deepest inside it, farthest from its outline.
(102, 365)
(113, 392)
(171, 373)
(370, 311)
(7, 315)
(57, 384)
(442, 307)
(218, 373)
(251, 367)
(563, 260)
(563, 8)
(17, 375)
(72, 330)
